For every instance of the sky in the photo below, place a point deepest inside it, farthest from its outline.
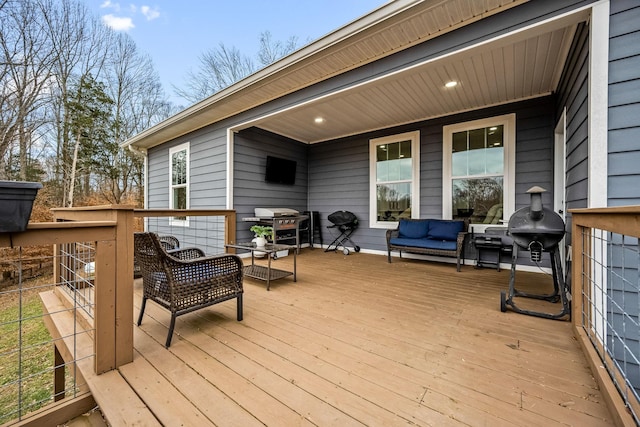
(175, 32)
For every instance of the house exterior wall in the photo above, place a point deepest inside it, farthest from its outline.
(339, 170)
(573, 95)
(624, 103)
(623, 314)
(207, 188)
(251, 148)
(348, 174)
(207, 170)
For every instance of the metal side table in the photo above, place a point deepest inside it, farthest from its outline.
(261, 272)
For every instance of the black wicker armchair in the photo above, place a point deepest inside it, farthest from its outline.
(183, 280)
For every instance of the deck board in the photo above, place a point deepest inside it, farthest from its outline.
(359, 341)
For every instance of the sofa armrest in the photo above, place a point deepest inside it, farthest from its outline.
(460, 239)
(391, 234)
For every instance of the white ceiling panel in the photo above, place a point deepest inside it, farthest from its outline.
(507, 70)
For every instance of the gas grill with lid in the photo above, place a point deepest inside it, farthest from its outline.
(285, 223)
(538, 230)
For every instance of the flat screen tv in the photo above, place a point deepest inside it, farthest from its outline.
(280, 171)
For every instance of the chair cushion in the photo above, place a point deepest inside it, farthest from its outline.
(444, 229)
(413, 229)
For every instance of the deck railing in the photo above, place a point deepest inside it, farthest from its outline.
(606, 302)
(87, 292)
(40, 367)
(605, 286)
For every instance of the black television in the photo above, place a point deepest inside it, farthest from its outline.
(280, 171)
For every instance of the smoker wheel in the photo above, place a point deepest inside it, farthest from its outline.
(345, 251)
(503, 301)
(357, 248)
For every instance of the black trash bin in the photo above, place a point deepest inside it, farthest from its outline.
(16, 202)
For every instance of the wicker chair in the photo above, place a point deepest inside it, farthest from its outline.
(169, 242)
(183, 280)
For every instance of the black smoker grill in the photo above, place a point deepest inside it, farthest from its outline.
(346, 222)
(537, 229)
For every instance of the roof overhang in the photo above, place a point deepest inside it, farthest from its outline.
(523, 64)
(393, 27)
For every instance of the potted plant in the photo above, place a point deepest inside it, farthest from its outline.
(262, 233)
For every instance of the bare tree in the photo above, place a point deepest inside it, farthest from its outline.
(25, 76)
(139, 102)
(223, 66)
(80, 44)
(72, 90)
(272, 50)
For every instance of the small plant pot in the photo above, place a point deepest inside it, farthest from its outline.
(260, 243)
(16, 202)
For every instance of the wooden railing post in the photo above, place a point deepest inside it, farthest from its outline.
(114, 294)
(124, 285)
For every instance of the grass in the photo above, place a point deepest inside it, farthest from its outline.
(26, 353)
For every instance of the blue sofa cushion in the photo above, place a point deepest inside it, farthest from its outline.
(425, 243)
(413, 229)
(445, 230)
(447, 245)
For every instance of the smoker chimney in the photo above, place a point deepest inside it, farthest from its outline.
(536, 210)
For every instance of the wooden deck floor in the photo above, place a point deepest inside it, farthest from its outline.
(358, 341)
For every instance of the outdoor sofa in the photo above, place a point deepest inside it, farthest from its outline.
(436, 237)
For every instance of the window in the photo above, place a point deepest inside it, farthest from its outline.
(394, 179)
(179, 183)
(478, 171)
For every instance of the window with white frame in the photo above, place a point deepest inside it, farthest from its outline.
(179, 180)
(479, 170)
(394, 164)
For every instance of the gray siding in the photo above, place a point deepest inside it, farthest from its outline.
(573, 94)
(339, 170)
(207, 184)
(251, 148)
(624, 176)
(207, 169)
(339, 180)
(624, 104)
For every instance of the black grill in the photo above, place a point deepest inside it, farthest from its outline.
(346, 222)
(537, 229)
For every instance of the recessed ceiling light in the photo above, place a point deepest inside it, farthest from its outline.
(451, 84)
(319, 120)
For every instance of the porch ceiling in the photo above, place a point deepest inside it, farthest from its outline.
(523, 65)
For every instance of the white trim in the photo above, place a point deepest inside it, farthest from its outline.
(560, 177)
(230, 170)
(182, 147)
(508, 121)
(416, 161)
(559, 167)
(598, 104)
(146, 181)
